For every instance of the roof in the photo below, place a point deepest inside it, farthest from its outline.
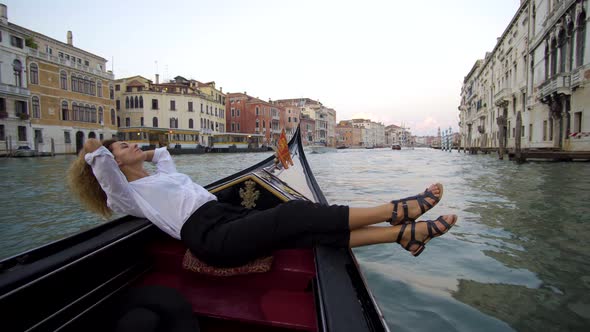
(135, 83)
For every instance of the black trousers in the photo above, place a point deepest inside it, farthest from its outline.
(224, 235)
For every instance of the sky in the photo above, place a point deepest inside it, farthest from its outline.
(395, 62)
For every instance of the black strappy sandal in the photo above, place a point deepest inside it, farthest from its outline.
(422, 202)
(433, 232)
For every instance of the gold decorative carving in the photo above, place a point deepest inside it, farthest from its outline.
(249, 194)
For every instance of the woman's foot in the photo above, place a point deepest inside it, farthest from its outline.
(421, 232)
(407, 209)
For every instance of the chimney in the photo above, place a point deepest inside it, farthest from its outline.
(3, 14)
(157, 78)
(70, 38)
(220, 89)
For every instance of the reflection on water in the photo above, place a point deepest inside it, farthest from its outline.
(517, 260)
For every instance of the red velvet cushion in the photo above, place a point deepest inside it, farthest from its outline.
(192, 263)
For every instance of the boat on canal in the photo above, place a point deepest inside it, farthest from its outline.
(70, 284)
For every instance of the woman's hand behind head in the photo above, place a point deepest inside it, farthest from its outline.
(91, 145)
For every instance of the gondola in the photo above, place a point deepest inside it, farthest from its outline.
(70, 284)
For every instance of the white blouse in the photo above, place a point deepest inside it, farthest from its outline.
(167, 198)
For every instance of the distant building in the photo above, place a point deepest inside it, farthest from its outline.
(71, 93)
(324, 117)
(293, 113)
(181, 113)
(532, 86)
(307, 129)
(246, 114)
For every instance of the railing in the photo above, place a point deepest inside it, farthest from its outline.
(276, 117)
(14, 90)
(559, 83)
(275, 131)
(61, 61)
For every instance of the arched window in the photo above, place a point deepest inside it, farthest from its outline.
(570, 35)
(155, 122)
(201, 124)
(74, 82)
(74, 112)
(100, 116)
(131, 104)
(65, 112)
(112, 116)
(63, 80)
(87, 114)
(190, 123)
(99, 88)
(136, 102)
(172, 123)
(18, 69)
(36, 108)
(34, 73)
(140, 102)
(553, 57)
(92, 87)
(111, 92)
(127, 122)
(93, 114)
(257, 123)
(127, 102)
(547, 59)
(562, 44)
(580, 39)
(86, 85)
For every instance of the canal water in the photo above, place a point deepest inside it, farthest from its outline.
(518, 259)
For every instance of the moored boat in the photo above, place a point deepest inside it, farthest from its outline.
(69, 285)
(396, 147)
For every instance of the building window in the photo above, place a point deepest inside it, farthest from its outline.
(237, 112)
(172, 105)
(553, 58)
(155, 122)
(127, 122)
(2, 133)
(190, 123)
(550, 129)
(63, 80)
(190, 106)
(38, 136)
(100, 116)
(201, 107)
(34, 73)
(22, 133)
(238, 126)
(65, 112)
(99, 88)
(119, 122)
(530, 132)
(67, 137)
(140, 102)
(233, 127)
(35, 107)
(141, 121)
(233, 112)
(257, 123)
(580, 40)
(127, 102)
(154, 104)
(16, 41)
(547, 59)
(111, 92)
(20, 107)
(18, 69)
(136, 104)
(118, 87)
(112, 116)
(562, 41)
(118, 104)
(578, 122)
(257, 111)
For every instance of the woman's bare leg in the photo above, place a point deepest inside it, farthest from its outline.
(375, 234)
(361, 217)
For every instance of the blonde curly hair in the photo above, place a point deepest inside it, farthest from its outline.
(84, 185)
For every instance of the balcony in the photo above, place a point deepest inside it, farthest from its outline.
(502, 97)
(14, 90)
(276, 117)
(559, 84)
(579, 75)
(275, 131)
(61, 61)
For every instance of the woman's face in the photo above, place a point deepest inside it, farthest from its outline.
(127, 154)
